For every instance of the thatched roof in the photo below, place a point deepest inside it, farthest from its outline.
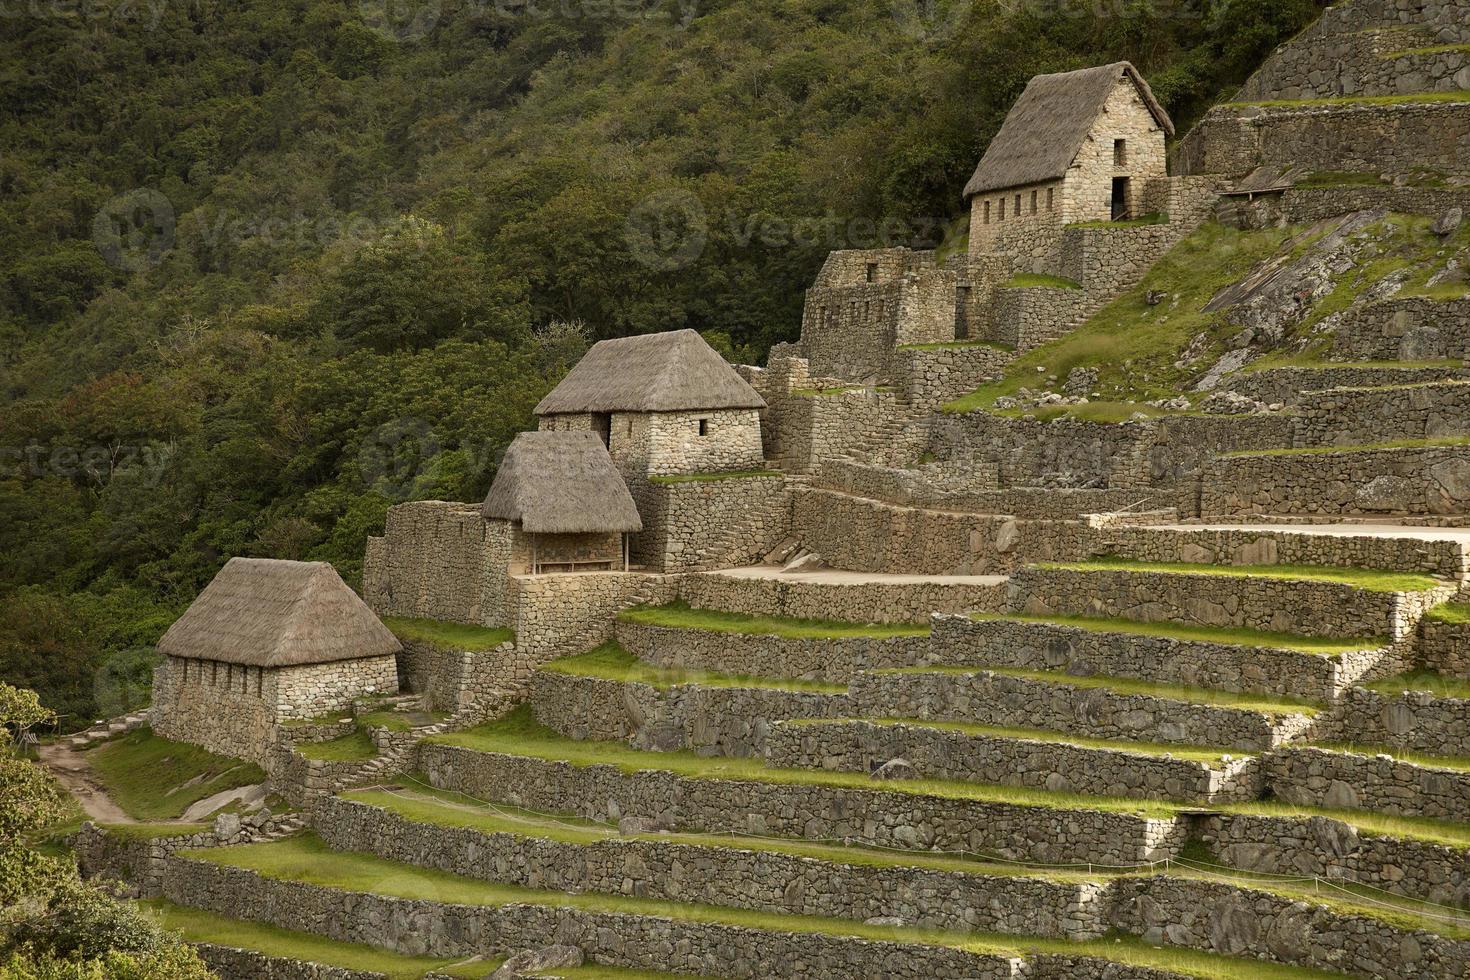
(561, 483)
(1045, 128)
(265, 612)
(658, 372)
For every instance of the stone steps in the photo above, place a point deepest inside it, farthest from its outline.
(1034, 759)
(1126, 648)
(1383, 783)
(1427, 479)
(1266, 598)
(1099, 708)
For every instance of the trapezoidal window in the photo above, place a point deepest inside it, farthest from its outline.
(987, 212)
(872, 272)
(1002, 209)
(1018, 205)
(1049, 193)
(704, 427)
(1033, 202)
(1120, 153)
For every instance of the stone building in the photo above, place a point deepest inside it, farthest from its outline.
(663, 404)
(268, 641)
(561, 504)
(1077, 146)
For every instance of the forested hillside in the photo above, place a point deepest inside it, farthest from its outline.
(267, 268)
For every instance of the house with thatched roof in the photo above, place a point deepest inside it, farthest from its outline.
(562, 503)
(265, 642)
(662, 404)
(1077, 146)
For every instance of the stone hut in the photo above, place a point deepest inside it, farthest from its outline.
(663, 404)
(1077, 146)
(268, 641)
(566, 506)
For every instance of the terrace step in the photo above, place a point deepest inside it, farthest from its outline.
(1330, 603)
(1293, 385)
(1243, 663)
(1418, 713)
(1094, 707)
(1376, 414)
(1029, 758)
(1360, 778)
(834, 594)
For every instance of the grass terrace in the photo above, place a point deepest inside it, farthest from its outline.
(153, 778)
(613, 663)
(1424, 680)
(712, 477)
(1129, 685)
(308, 860)
(198, 926)
(1429, 830)
(1192, 753)
(1435, 443)
(455, 636)
(1450, 612)
(519, 734)
(1039, 280)
(1369, 580)
(357, 747)
(680, 615)
(1305, 362)
(1320, 646)
(1455, 763)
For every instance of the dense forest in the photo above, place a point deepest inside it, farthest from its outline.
(268, 268)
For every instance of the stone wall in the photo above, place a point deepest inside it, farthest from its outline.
(1357, 64)
(895, 600)
(1165, 660)
(1409, 481)
(559, 615)
(930, 376)
(730, 721)
(701, 524)
(1308, 205)
(731, 441)
(1336, 850)
(1309, 608)
(940, 753)
(1406, 329)
(1029, 231)
(316, 689)
(438, 560)
(1315, 777)
(140, 861)
(455, 681)
(885, 818)
(1445, 647)
(986, 698)
(247, 964)
(761, 880)
(1290, 385)
(1105, 260)
(834, 660)
(425, 928)
(1029, 316)
(1412, 721)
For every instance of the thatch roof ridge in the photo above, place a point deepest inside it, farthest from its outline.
(674, 371)
(561, 483)
(1044, 130)
(269, 612)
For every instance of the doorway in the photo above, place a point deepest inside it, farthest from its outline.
(602, 425)
(1120, 198)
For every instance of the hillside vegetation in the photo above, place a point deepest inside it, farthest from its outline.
(268, 268)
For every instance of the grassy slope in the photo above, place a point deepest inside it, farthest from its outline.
(307, 859)
(145, 774)
(1322, 646)
(457, 636)
(611, 662)
(1369, 580)
(1424, 680)
(681, 616)
(357, 747)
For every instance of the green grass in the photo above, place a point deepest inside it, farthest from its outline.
(519, 734)
(1304, 363)
(613, 663)
(154, 831)
(357, 747)
(1341, 178)
(199, 926)
(1450, 612)
(454, 636)
(712, 477)
(146, 775)
(306, 859)
(1456, 835)
(681, 616)
(1321, 646)
(1190, 753)
(400, 721)
(1369, 580)
(1131, 685)
(1142, 221)
(1440, 441)
(1424, 680)
(1039, 280)
(423, 804)
(1455, 763)
(1410, 98)
(958, 345)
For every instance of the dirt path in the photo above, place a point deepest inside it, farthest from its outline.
(71, 769)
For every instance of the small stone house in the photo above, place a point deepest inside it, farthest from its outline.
(265, 642)
(562, 505)
(1077, 146)
(663, 404)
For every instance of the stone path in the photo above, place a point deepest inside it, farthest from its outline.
(836, 576)
(75, 774)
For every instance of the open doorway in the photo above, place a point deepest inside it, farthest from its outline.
(1120, 198)
(602, 425)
